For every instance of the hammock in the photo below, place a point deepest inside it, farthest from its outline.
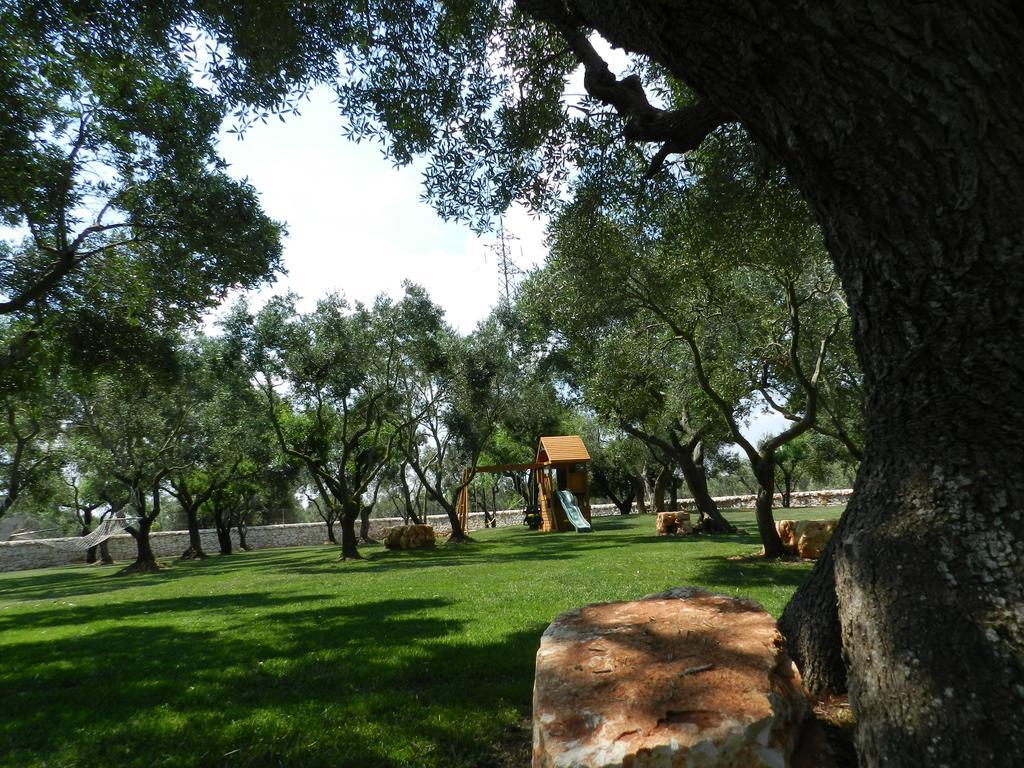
(102, 532)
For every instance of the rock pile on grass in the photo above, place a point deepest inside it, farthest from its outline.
(409, 537)
(805, 538)
(673, 524)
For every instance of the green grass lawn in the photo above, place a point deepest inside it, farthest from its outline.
(287, 658)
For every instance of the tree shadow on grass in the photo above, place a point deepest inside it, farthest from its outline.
(68, 581)
(510, 549)
(383, 683)
(744, 575)
(746, 539)
(525, 545)
(74, 581)
(83, 615)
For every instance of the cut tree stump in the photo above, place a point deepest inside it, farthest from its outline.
(681, 678)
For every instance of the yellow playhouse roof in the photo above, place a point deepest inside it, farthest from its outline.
(562, 449)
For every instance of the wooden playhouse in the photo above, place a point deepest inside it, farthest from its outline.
(558, 483)
(561, 466)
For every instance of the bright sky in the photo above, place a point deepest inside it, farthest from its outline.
(356, 225)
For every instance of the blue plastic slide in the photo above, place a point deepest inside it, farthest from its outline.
(579, 522)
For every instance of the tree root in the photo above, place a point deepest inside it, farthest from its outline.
(142, 566)
(709, 525)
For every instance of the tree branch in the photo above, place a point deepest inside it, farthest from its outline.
(680, 130)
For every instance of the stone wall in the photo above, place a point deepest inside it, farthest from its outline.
(827, 498)
(36, 553)
(32, 553)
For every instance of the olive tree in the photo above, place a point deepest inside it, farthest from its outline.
(899, 123)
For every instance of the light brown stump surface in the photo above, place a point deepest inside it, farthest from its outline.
(682, 678)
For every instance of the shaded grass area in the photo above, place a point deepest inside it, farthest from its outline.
(288, 658)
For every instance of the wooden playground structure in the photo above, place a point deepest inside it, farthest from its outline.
(558, 484)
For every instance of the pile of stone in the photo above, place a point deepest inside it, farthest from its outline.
(681, 678)
(674, 524)
(806, 538)
(409, 537)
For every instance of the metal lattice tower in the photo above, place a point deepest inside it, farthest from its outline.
(508, 271)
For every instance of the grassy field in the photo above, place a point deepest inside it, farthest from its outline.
(288, 658)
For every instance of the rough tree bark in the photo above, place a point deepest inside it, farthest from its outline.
(903, 124)
(787, 487)
(661, 483)
(457, 535)
(639, 493)
(411, 503)
(192, 500)
(764, 472)
(90, 553)
(690, 455)
(347, 522)
(241, 528)
(625, 503)
(810, 625)
(364, 525)
(696, 477)
(223, 530)
(145, 559)
(195, 542)
(105, 557)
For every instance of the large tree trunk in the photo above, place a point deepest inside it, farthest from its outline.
(810, 624)
(364, 525)
(105, 557)
(195, 543)
(457, 535)
(903, 124)
(223, 531)
(145, 559)
(240, 527)
(349, 548)
(90, 553)
(696, 477)
(764, 472)
(410, 503)
(330, 530)
(624, 504)
(787, 487)
(661, 483)
(639, 492)
(145, 547)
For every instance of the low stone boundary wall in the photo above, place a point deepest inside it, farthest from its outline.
(827, 498)
(20, 555)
